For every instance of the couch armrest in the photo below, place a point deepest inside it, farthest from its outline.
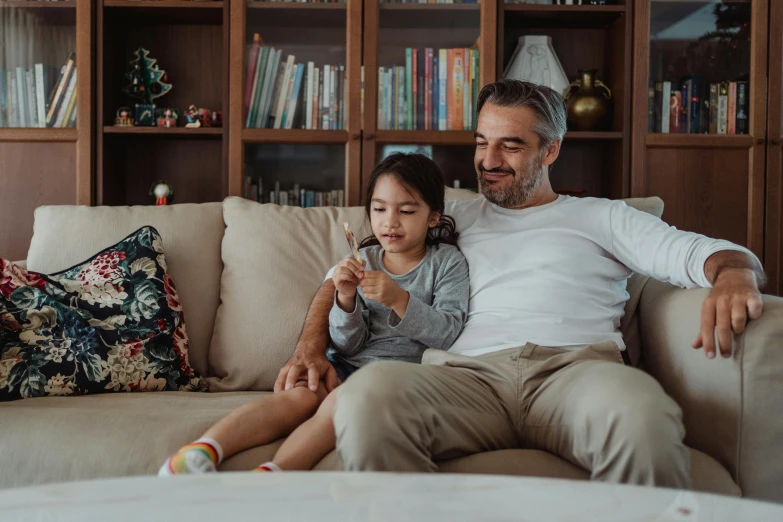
(731, 407)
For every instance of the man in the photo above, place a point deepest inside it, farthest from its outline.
(540, 361)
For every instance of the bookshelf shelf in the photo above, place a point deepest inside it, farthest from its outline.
(401, 137)
(286, 6)
(162, 4)
(179, 132)
(429, 16)
(430, 7)
(294, 136)
(700, 141)
(39, 135)
(63, 4)
(562, 9)
(163, 12)
(582, 16)
(576, 135)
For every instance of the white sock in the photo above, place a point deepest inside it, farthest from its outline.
(215, 445)
(190, 459)
(271, 466)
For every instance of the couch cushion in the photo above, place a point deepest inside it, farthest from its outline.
(275, 259)
(53, 439)
(66, 235)
(707, 475)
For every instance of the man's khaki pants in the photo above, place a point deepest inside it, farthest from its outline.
(585, 406)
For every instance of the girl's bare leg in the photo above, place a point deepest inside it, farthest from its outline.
(258, 422)
(311, 441)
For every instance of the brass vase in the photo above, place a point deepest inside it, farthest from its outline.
(588, 106)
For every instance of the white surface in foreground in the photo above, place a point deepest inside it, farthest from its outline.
(343, 497)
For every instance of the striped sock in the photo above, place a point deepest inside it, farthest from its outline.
(268, 466)
(201, 456)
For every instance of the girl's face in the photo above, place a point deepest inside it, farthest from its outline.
(399, 217)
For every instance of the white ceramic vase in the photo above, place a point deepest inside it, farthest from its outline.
(534, 60)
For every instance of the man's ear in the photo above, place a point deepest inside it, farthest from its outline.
(552, 152)
(434, 219)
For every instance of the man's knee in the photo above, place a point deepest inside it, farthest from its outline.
(369, 392)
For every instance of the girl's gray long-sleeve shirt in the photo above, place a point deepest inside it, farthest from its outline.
(439, 289)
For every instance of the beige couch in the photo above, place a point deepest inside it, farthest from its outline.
(246, 274)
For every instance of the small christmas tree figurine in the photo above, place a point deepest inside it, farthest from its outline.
(146, 82)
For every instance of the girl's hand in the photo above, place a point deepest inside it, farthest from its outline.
(379, 287)
(346, 277)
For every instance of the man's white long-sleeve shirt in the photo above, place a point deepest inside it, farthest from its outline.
(556, 274)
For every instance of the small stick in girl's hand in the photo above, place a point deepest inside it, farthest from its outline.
(352, 242)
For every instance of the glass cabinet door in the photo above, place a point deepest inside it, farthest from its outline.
(295, 65)
(38, 64)
(700, 54)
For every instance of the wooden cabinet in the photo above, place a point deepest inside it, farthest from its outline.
(712, 180)
(189, 41)
(316, 151)
(45, 159)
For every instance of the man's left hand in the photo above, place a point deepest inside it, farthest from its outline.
(735, 298)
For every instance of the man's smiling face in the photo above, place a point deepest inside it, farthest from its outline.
(508, 160)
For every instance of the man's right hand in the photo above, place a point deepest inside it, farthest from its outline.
(314, 364)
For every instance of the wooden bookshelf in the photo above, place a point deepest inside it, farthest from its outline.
(204, 47)
(189, 40)
(713, 183)
(584, 37)
(47, 166)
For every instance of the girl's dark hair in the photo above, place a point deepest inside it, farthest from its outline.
(415, 172)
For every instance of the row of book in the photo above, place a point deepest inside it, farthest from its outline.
(30, 97)
(297, 196)
(283, 94)
(437, 89)
(695, 107)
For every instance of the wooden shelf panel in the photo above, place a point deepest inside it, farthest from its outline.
(161, 4)
(68, 4)
(294, 136)
(534, 15)
(282, 6)
(415, 137)
(579, 135)
(558, 9)
(430, 7)
(419, 16)
(178, 132)
(159, 12)
(699, 141)
(38, 135)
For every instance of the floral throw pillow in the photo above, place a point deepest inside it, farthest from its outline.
(110, 324)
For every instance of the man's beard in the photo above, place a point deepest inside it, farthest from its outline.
(523, 187)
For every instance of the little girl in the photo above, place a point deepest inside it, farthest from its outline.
(410, 293)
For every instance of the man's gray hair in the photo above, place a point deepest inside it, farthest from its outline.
(548, 105)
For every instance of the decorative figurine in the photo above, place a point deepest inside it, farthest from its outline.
(123, 118)
(163, 192)
(205, 116)
(167, 117)
(192, 118)
(217, 119)
(146, 82)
